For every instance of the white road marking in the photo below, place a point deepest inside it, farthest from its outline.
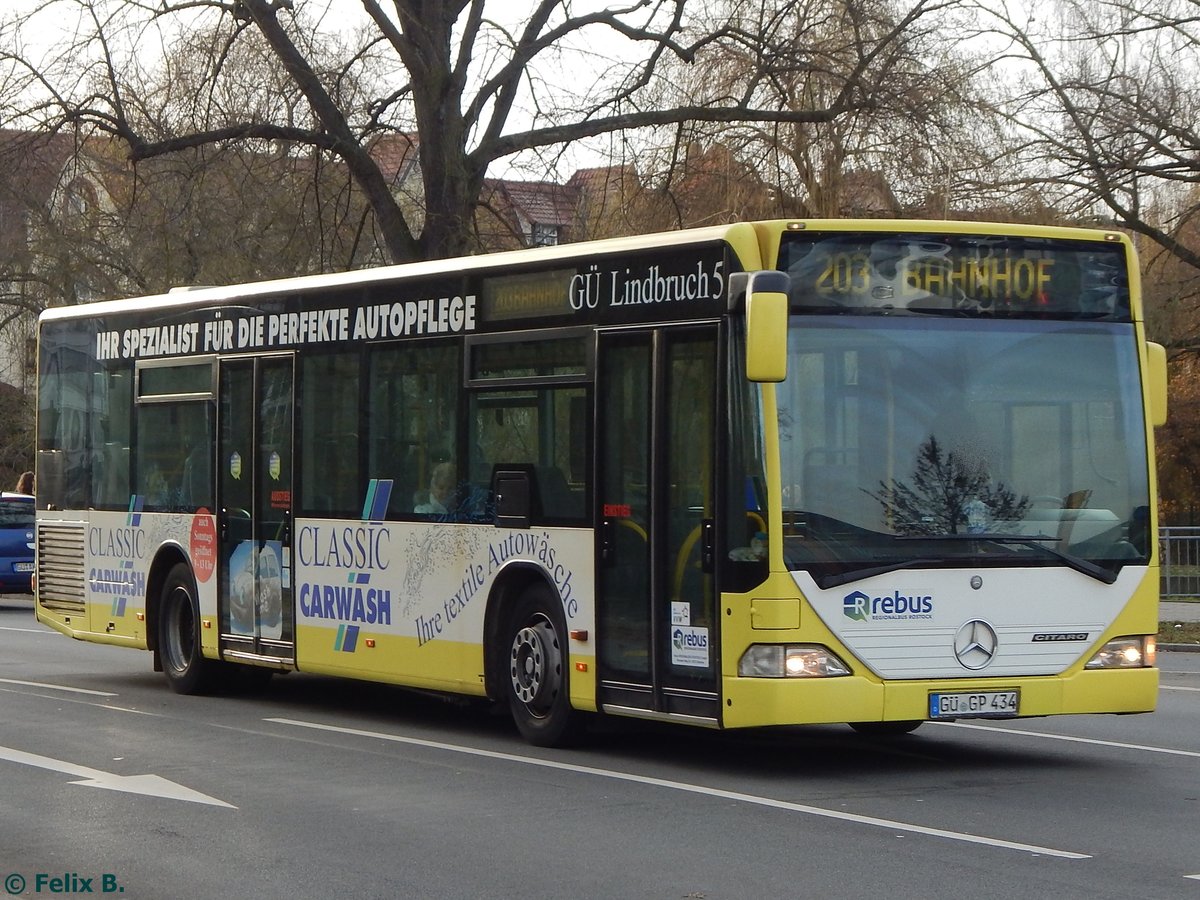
(30, 630)
(1171, 687)
(56, 687)
(1067, 737)
(695, 789)
(148, 785)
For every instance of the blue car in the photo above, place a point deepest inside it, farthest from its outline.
(16, 543)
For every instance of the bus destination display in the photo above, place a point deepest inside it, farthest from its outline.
(930, 273)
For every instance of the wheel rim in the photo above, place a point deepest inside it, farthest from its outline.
(535, 666)
(181, 631)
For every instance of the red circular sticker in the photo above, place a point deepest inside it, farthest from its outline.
(204, 544)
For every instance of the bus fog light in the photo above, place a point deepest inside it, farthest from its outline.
(790, 661)
(762, 661)
(1125, 653)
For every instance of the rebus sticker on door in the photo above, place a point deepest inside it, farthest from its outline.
(689, 646)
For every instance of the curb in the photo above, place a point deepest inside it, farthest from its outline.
(1180, 648)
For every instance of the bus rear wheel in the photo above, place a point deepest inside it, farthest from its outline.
(535, 682)
(187, 671)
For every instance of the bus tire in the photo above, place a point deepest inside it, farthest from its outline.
(887, 729)
(187, 671)
(533, 646)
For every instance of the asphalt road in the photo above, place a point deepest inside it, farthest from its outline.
(109, 783)
(1179, 611)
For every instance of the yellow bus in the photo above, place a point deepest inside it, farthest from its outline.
(770, 473)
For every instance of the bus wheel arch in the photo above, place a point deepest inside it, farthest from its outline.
(508, 586)
(177, 632)
(164, 562)
(526, 657)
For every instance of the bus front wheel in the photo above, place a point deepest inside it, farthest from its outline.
(535, 679)
(187, 671)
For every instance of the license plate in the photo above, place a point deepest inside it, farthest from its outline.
(22, 567)
(965, 704)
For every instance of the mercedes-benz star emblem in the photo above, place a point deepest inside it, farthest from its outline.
(975, 644)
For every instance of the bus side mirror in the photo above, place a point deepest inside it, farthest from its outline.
(766, 326)
(1156, 382)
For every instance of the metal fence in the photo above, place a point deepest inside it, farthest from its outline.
(1179, 551)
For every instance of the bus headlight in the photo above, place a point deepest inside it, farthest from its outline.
(1126, 653)
(790, 661)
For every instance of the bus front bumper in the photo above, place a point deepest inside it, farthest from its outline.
(751, 702)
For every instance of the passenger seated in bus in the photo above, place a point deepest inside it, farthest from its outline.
(441, 488)
(154, 487)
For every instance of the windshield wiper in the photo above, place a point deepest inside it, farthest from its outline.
(824, 582)
(1036, 541)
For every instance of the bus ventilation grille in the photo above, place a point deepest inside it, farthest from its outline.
(60, 579)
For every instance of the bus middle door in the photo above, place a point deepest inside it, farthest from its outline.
(255, 508)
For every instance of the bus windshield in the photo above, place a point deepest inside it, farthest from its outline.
(919, 441)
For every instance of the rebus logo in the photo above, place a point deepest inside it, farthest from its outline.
(692, 638)
(855, 606)
(860, 607)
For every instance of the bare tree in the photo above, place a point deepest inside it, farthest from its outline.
(1104, 109)
(1103, 112)
(945, 486)
(910, 139)
(473, 90)
(16, 439)
(81, 222)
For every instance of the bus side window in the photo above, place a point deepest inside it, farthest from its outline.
(412, 420)
(329, 434)
(66, 406)
(111, 427)
(112, 475)
(175, 457)
(535, 428)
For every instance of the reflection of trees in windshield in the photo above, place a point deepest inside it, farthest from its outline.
(949, 492)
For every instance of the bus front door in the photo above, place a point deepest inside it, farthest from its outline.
(254, 460)
(656, 602)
